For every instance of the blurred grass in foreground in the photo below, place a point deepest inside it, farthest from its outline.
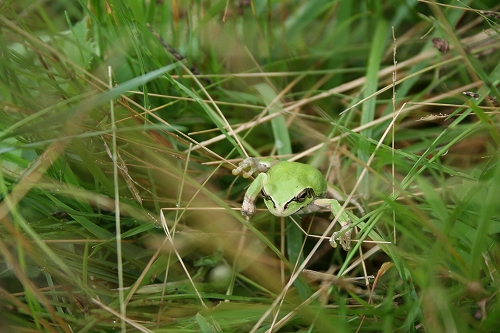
(121, 121)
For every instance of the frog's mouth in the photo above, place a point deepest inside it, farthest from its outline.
(282, 212)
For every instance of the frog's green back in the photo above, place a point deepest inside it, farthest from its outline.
(292, 177)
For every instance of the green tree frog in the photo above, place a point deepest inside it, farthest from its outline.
(291, 188)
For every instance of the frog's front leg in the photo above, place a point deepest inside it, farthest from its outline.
(248, 205)
(343, 218)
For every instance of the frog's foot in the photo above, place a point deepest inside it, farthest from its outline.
(252, 163)
(345, 238)
(247, 207)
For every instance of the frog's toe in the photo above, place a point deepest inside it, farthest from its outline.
(345, 239)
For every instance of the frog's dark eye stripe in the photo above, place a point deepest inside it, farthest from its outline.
(265, 195)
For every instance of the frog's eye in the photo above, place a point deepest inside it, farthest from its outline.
(306, 193)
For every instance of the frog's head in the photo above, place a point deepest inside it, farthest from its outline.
(286, 204)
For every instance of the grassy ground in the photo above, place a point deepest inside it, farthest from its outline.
(119, 211)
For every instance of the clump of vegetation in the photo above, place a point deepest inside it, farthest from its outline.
(122, 120)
